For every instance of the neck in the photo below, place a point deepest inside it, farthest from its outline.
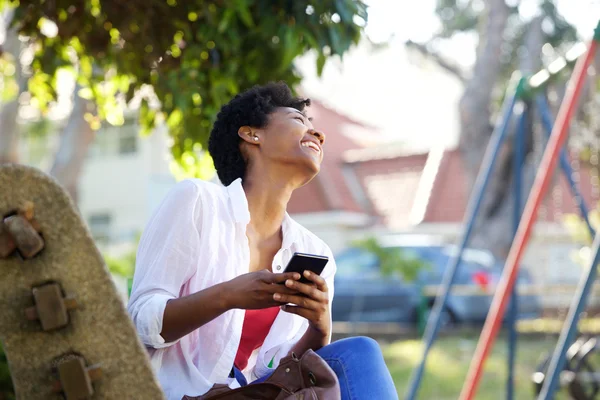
(267, 203)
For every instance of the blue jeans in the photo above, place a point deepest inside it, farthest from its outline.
(359, 366)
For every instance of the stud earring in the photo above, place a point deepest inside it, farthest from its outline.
(256, 138)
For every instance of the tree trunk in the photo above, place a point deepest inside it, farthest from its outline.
(9, 149)
(75, 140)
(495, 227)
(474, 106)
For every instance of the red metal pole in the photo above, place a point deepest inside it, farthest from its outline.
(542, 179)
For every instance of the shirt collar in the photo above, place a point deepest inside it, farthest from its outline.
(290, 232)
(238, 200)
(241, 214)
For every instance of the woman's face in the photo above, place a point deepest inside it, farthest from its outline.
(289, 142)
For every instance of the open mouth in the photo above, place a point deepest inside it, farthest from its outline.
(311, 145)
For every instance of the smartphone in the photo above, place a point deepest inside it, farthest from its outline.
(301, 262)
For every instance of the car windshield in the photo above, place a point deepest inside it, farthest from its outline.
(361, 263)
(483, 258)
(356, 263)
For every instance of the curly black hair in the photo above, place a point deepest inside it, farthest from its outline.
(249, 108)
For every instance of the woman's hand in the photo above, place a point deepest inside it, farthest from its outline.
(311, 302)
(254, 290)
(249, 291)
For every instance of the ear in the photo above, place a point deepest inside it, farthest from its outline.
(249, 135)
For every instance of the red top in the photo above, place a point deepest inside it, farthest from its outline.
(257, 324)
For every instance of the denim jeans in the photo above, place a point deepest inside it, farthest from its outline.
(359, 366)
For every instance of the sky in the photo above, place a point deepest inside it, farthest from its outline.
(407, 98)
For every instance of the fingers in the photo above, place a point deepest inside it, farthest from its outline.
(281, 277)
(303, 312)
(274, 288)
(317, 280)
(310, 290)
(299, 300)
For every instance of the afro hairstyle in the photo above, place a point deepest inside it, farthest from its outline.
(250, 108)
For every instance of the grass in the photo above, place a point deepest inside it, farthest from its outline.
(449, 360)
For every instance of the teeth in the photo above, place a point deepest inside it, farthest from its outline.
(311, 145)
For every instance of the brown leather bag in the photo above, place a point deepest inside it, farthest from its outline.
(306, 378)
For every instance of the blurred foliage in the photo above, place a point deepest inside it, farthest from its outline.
(194, 54)
(578, 229)
(392, 260)
(9, 87)
(580, 234)
(124, 264)
(39, 127)
(121, 266)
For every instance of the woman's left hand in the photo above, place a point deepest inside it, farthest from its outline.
(311, 302)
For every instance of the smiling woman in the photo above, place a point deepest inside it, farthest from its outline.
(263, 127)
(205, 299)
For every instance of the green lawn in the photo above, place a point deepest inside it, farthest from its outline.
(449, 360)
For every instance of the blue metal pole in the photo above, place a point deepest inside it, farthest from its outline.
(483, 177)
(518, 159)
(570, 326)
(548, 123)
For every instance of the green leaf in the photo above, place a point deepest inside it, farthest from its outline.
(320, 63)
(345, 13)
(336, 45)
(6, 4)
(289, 48)
(85, 65)
(244, 14)
(225, 21)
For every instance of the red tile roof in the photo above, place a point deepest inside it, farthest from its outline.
(447, 198)
(449, 206)
(449, 195)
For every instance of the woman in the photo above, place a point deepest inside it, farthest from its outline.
(206, 297)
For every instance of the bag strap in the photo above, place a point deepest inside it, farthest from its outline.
(256, 391)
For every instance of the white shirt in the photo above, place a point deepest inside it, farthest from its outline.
(195, 240)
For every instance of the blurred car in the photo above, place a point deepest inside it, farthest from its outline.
(364, 294)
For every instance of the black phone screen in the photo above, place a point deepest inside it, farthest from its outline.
(301, 262)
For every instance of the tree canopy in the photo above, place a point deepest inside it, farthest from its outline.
(195, 54)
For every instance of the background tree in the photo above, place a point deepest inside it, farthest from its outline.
(506, 42)
(182, 59)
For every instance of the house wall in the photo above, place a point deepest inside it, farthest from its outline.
(124, 187)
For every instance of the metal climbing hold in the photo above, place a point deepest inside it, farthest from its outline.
(75, 378)
(51, 307)
(22, 231)
(7, 243)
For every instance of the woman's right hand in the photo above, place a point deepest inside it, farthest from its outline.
(255, 290)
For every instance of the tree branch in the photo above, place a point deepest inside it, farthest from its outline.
(9, 137)
(474, 105)
(447, 65)
(75, 140)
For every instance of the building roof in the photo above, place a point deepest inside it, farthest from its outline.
(432, 188)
